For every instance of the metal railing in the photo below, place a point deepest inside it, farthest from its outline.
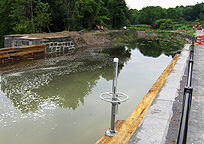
(183, 131)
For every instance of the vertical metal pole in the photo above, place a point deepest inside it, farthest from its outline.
(113, 97)
(111, 132)
(115, 72)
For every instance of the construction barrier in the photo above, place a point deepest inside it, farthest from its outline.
(18, 53)
(199, 37)
(202, 39)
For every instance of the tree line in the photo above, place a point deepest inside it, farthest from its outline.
(31, 16)
(161, 18)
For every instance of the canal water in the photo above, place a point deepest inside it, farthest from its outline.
(55, 100)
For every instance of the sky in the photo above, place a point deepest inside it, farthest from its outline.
(139, 4)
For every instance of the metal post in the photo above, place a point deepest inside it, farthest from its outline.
(115, 98)
(111, 132)
(115, 72)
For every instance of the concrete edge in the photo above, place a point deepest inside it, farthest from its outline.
(154, 126)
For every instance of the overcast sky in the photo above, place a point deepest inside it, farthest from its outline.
(139, 4)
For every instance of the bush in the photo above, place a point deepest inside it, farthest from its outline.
(164, 24)
(139, 27)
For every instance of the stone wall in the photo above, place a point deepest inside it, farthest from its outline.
(53, 45)
(59, 44)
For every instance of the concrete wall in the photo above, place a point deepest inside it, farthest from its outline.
(53, 45)
(15, 41)
(59, 44)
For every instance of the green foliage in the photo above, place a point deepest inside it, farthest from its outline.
(164, 24)
(174, 13)
(118, 12)
(134, 16)
(122, 36)
(150, 14)
(139, 27)
(30, 16)
(43, 17)
(168, 19)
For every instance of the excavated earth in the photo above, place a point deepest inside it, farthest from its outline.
(94, 38)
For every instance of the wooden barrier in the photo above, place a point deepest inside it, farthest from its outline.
(18, 53)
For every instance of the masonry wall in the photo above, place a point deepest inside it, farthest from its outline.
(59, 44)
(53, 45)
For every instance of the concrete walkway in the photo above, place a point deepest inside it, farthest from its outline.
(154, 128)
(161, 123)
(196, 120)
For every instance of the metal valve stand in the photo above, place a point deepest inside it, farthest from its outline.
(114, 98)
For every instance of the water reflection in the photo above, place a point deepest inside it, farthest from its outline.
(154, 48)
(53, 99)
(63, 82)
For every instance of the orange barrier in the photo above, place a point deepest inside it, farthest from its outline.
(202, 39)
(199, 37)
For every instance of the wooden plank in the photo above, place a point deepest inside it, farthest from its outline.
(2, 53)
(106, 139)
(21, 53)
(103, 140)
(127, 129)
(24, 47)
(11, 54)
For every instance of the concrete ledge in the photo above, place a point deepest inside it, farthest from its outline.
(154, 126)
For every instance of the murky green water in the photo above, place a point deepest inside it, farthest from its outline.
(56, 100)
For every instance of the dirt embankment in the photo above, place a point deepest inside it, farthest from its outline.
(96, 38)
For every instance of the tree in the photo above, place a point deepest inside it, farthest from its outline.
(134, 16)
(58, 14)
(118, 13)
(5, 21)
(187, 13)
(90, 11)
(42, 17)
(71, 14)
(174, 13)
(21, 16)
(197, 9)
(150, 14)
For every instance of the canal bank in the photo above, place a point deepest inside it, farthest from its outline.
(161, 123)
(68, 40)
(157, 122)
(162, 120)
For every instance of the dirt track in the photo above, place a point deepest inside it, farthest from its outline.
(82, 39)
